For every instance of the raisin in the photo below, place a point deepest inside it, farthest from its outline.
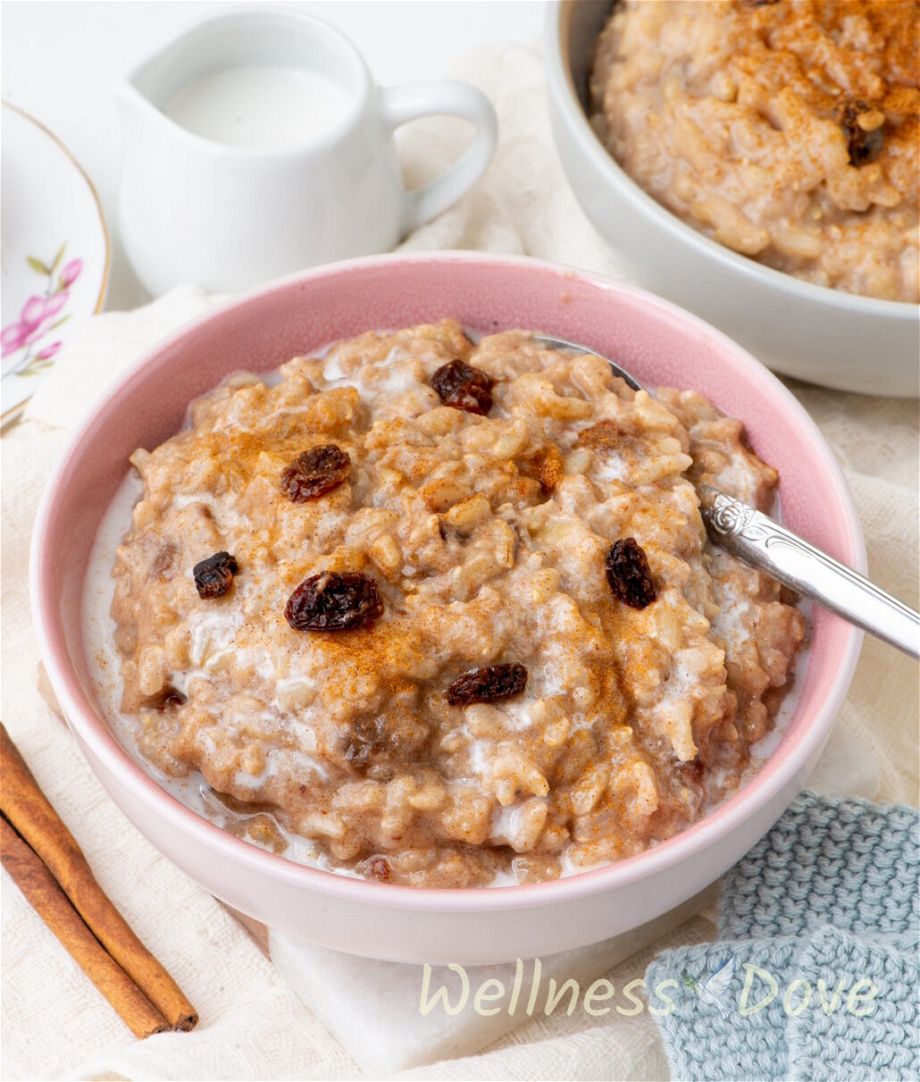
(758, 3)
(166, 698)
(693, 771)
(331, 601)
(214, 576)
(487, 685)
(315, 473)
(379, 869)
(629, 575)
(863, 146)
(368, 739)
(464, 387)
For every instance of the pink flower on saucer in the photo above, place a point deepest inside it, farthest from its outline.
(11, 338)
(36, 312)
(70, 272)
(49, 351)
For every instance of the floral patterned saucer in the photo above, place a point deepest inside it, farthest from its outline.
(55, 254)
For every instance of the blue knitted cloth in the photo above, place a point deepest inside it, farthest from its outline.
(815, 974)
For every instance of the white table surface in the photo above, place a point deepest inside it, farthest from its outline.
(60, 60)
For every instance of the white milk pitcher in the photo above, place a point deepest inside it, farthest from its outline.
(257, 144)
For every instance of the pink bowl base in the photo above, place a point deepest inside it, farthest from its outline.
(661, 345)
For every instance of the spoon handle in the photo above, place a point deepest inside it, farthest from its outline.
(764, 544)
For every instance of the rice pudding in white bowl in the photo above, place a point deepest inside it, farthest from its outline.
(757, 163)
(418, 649)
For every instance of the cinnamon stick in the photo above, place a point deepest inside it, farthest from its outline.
(39, 825)
(49, 901)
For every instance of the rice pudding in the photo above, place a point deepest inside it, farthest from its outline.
(445, 614)
(786, 130)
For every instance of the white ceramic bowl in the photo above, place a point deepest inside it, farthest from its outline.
(805, 330)
(662, 345)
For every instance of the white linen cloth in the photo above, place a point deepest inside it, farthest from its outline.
(253, 1025)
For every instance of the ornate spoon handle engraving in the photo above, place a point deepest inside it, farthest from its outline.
(764, 544)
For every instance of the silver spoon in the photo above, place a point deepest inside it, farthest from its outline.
(759, 541)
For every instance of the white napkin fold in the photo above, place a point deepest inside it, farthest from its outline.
(253, 1024)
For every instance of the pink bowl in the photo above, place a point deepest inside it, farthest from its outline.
(663, 345)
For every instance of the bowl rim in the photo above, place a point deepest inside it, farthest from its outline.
(561, 88)
(90, 728)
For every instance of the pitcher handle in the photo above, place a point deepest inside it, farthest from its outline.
(401, 104)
